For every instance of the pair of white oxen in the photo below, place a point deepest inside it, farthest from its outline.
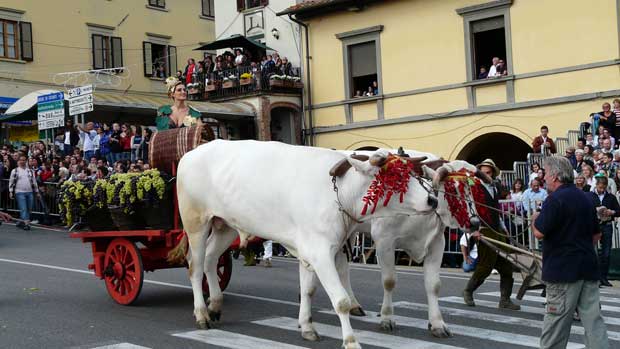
(285, 193)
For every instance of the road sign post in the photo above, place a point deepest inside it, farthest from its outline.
(51, 110)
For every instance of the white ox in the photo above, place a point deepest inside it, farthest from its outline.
(421, 237)
(277, 192)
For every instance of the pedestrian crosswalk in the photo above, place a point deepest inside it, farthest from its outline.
(483, 326)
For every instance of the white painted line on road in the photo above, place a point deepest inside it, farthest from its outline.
(476, 332)
(233, 340)
(160, 283)
(364, 337)
(543, 300)
(122, 346)
(524, 308)
(504, 319)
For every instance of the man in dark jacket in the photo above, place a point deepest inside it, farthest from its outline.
(607, 208)
(488, 259)
(568, 225)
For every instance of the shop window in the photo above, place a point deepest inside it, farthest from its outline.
(489, 47)
(249, 4)
(208, 8)
(107, 52)
(160, 61)
(157, 3)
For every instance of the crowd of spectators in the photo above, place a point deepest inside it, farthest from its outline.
(81, 152)
(228, 63)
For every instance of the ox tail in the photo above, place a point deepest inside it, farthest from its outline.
(178, 255)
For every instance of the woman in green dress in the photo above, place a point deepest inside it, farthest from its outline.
(178, 114)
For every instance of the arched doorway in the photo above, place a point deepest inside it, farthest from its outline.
(368, 148)
(503, 148)
(285, 126)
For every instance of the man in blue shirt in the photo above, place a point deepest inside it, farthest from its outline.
(569, 227)
(533, 196)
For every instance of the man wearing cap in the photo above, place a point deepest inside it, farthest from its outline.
(488, 259)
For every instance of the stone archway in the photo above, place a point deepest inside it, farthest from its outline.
(503, 148)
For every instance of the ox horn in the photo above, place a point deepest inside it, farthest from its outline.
(440, 175)
(484, 177)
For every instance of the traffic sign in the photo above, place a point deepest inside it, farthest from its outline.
(50, 110)
(80, 109)
(81, 100)
(79, 91)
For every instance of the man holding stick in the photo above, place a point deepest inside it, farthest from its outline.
(569, 227)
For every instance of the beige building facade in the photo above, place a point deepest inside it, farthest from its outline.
(561, 62)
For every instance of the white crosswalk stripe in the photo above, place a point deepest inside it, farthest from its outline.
(524, 308)
(364, 337)
(542, 300)
(122, 346)
(476, 332)
(233, 340)
(497, 318)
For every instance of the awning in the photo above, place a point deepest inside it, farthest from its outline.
(221, 111)
(26, 107)
(232, 42)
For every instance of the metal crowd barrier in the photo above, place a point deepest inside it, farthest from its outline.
(48, 205)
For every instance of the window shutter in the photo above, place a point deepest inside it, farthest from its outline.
(147, 57)
(363, 58)
(25, 41)
(240, 5)
(264, 2)
(117, 52)
(172, 60)
(98, 51)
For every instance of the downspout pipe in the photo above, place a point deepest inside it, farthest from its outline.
(307, 86)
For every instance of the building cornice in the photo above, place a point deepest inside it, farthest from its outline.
(483, 7)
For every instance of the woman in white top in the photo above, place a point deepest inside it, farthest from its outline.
(534, 173)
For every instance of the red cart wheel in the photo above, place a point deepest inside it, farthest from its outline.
(224, 271)
(123, 272)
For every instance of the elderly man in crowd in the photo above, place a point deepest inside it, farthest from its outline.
(607, 208)
(568, 226)
(492, 227)
(534, 196)
(578, 160)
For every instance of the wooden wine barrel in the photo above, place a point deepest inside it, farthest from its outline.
(167, 147)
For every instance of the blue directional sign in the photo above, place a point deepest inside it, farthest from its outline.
(51, 110)
(58, 96)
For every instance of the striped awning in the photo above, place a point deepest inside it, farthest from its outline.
(230, 110)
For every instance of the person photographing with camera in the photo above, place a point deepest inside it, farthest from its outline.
(569, 228)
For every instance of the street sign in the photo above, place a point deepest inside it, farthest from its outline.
(51, 110)
(81, 100)
(79, 91)
(80, 109)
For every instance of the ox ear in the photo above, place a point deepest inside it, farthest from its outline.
(363, 167)
(428, 172)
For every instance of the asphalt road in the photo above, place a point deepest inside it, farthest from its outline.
(48, 299)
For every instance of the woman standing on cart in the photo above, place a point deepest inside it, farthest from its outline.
(178, 114)
(488, 259)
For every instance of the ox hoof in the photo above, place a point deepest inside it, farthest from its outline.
(357, 311)
(440, 331)
(351, 345)
(388, 325)
(311, 336)
(215, 315)
(203, 324)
